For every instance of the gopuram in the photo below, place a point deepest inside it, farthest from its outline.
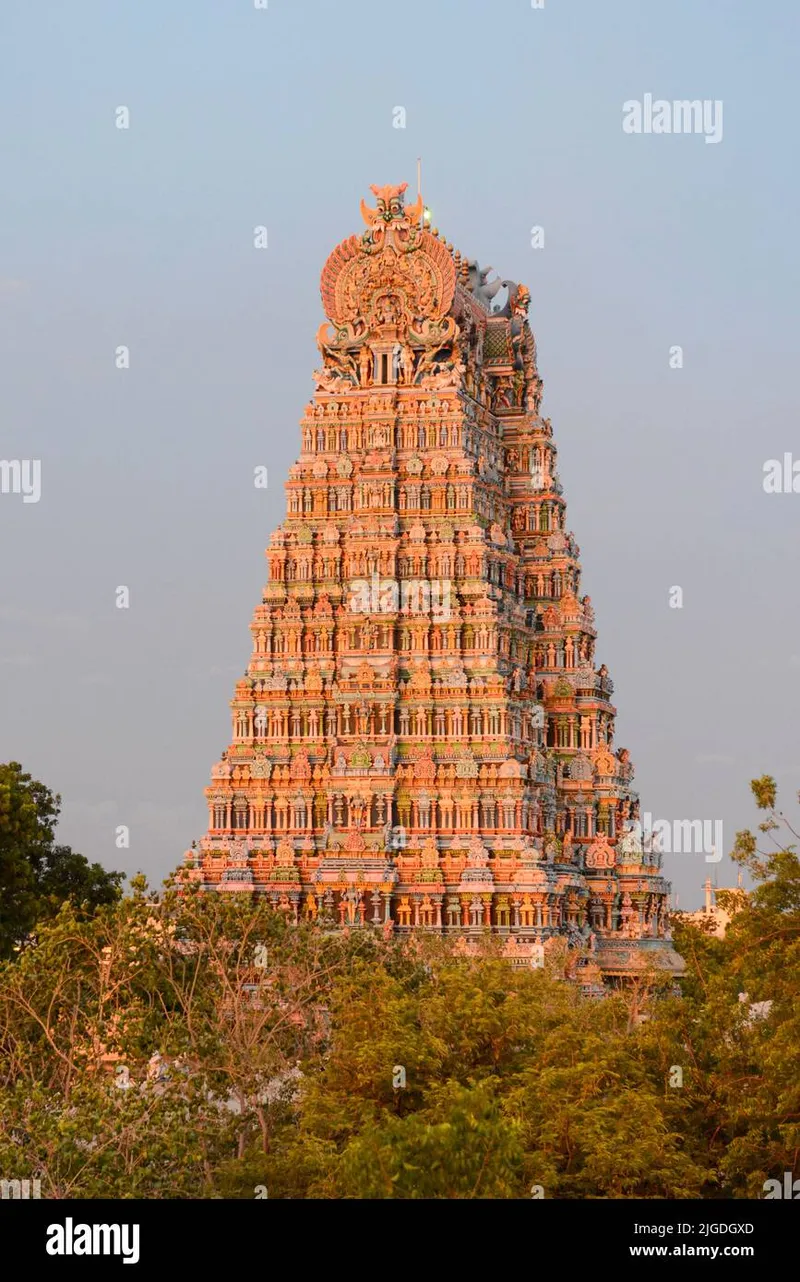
(423, 739)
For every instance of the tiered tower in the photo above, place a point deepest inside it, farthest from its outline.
(422, 739)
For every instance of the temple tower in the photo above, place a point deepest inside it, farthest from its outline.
(422, 739)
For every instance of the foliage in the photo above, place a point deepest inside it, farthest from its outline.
(342, 1064)
(36, 874)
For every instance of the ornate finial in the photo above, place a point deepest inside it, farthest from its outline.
(391, 206)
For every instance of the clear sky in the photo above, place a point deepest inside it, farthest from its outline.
(283, 117)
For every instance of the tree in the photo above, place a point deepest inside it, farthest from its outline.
(761, 1092)
(735, 1032)
(202, 1045)
(152, 1048)
(36, 874)
(512, 1080)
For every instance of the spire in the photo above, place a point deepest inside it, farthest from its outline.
(423, 739)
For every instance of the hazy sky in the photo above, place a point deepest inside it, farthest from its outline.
(283, 117)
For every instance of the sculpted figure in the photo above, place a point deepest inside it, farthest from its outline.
(503, 393)
(338, 364)
(406, 364)
(631, 842)
(520, 302)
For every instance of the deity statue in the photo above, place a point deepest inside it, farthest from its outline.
(503, 392)
(406, 364)
(629, 918)
(520, 302)
(631, 842)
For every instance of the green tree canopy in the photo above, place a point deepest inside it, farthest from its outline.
(189, 1044)
(37, 874)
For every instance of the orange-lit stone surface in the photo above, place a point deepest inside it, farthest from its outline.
(423, 740)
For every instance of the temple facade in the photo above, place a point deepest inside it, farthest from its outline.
(423, 739)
